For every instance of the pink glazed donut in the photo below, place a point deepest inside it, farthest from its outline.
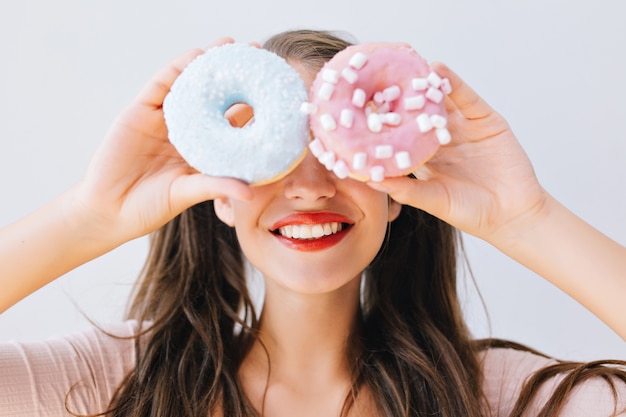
(376, 110)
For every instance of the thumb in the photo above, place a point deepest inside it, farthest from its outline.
(427, 195)
(197, 188)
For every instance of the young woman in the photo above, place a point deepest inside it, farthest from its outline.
(366, 323)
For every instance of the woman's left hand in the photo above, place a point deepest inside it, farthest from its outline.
(482, 182)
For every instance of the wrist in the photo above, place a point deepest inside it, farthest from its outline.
(527, 225)
(85, 224)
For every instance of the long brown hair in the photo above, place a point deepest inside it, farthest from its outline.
(416, 354)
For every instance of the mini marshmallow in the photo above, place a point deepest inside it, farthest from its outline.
(383, 151)
(391, 93)
(434, 94)
(328, 159)
(446, 87)
(308, 108)
(358, 97)
(434, 79)
(415, 103)
(443, 135)
(350, 75)
(328, 122)
(359, 160)
(374, 123)
(392, 119)
(358, 60)
(424, 123)
(330, 75)
(438, 121)
(419, 84)
(316, 147)
(341, 170)
(403, 160)
(377, 173)
(326, 91)
(346, 118)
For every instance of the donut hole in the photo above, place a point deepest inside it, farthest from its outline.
(376, 106)
(239, 115)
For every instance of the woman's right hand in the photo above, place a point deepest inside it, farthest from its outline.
(137, 181)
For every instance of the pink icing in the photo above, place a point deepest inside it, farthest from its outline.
(387, 65)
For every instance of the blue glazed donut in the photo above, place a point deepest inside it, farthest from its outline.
(258, 153)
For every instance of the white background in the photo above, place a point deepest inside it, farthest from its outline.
(555, 69)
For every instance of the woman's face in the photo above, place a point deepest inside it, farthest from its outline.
(310, 232)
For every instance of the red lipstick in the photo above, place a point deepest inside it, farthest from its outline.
(317, 218)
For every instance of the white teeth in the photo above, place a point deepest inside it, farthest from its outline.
(310, 231)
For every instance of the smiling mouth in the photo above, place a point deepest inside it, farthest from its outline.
(310, 231)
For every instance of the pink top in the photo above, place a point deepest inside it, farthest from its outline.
(36, 377)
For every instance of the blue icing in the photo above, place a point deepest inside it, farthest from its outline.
(215, 81)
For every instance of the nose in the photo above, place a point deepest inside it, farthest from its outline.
(310, 181)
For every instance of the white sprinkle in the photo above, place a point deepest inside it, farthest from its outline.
(328, 160)
(350, 75)
(419, 84)
(392, 119)
(358, 98)
(346, 118)
(358, 60)
(341, 170)
(414, 103)
(403, 160)
(433, 94)
(330, 75)
(328, 122)
(443, 136)
(446, 87)
(391, 93)
(424, 123)
(316, 147)
(383, 151)
(374, 123)
(308, 108)
(326, 91)
(359, 160)
(434, 79)
(377, 173)
(438, 121)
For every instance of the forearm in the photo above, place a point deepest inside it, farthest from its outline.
(43, 246)
(571, 254)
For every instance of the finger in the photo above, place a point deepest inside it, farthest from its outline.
(429, 196)
(220, 42)
(157, 88)
(464, 98)
(197, 188)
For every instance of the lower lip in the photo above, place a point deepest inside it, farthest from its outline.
(311, 245)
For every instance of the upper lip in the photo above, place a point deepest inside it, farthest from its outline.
(310, 218)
